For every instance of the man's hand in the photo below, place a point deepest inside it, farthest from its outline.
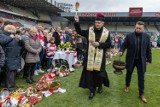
(95, 44)
(120, 53)
(76, 18)
(148, 63)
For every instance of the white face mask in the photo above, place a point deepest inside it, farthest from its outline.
(11, 35)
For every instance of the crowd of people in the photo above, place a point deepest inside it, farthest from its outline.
(36, 45)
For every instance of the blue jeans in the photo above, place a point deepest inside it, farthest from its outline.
(49, 63)
(41, 55)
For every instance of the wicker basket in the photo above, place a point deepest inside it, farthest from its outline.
(64, 71)
(55, 85)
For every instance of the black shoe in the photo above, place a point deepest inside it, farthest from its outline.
(29, 81)
(91, 95)
(32, 79)
(100, 90)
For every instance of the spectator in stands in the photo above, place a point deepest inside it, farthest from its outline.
(112, 42)
(73, 41)
(70, 32)
(138, 55)
(51, 31)
(158, 41)
(25, 33)
(12, 44)
(79, 49)
(56, 35)
(154, 41)
(66, 36)
(50, 50)
(44, 61)
(94, 73)
(33, 47)
(120, 41)
(41, 37)
(116, 41)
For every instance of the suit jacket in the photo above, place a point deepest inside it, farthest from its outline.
(130, 44)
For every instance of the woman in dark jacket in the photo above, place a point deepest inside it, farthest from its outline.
(11, 44)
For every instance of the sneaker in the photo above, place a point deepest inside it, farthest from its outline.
(35, 72)
(40, 71)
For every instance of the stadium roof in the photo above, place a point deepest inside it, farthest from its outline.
(115, 16)
(35, 4)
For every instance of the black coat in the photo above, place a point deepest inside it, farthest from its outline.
(12, 48)
(57, 38)
(130, 44)
(88, 77)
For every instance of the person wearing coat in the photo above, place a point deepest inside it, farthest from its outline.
(98, 41)
(33, 48)
(12, 45)
(56, 35)
(138, 47)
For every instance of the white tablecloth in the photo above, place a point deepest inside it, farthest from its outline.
(68, 57)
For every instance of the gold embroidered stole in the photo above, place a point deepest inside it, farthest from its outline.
(95, 55)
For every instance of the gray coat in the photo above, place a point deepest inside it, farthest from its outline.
(32, 48)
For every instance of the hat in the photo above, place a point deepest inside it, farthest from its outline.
(100, 17)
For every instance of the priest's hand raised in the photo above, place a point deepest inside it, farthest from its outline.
(95, 44)
(76, 18)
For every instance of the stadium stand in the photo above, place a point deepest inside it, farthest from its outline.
(44, 16)
(152, 28)
(4, 6)
(125, 28)
(21, 11)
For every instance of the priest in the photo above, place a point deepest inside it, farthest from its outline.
(98, 41)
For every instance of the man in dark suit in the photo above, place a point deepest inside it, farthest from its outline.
(138, 54)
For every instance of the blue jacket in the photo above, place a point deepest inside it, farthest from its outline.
(12, 48)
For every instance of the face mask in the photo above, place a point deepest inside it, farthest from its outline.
(12, 35)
